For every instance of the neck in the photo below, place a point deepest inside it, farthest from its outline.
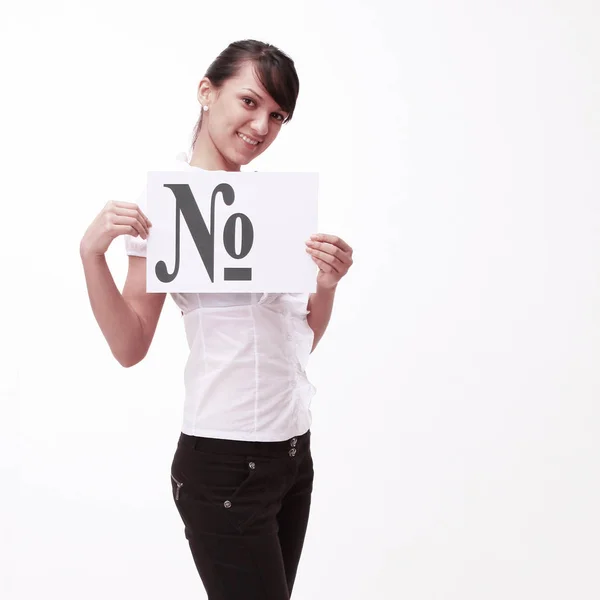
(206, 156)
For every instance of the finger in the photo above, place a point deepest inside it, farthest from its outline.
(146, 219)
(133, 206)
(136, 214)
(143, 219)
(132, 222)
(335, 263)
(332, 239)
(323, 265)
(126, 229)
(336, 251)
(128, 205)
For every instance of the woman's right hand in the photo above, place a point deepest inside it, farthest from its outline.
(115, 219)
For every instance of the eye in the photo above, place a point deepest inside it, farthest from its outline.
(278, 117)
(249, 100)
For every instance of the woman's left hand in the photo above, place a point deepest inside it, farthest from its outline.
(333, 257)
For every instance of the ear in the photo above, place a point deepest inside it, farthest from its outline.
(204, 91)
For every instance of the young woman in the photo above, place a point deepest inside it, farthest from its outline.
(242, 473)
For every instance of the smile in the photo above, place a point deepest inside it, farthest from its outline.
(248, 140)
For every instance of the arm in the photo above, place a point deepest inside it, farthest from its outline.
(320, 305)
(333, 256)
(127, 321)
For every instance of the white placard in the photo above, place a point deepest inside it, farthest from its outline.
(237, 232)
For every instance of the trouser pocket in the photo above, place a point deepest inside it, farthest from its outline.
(236, 487)
(217, 477)
(178, 485)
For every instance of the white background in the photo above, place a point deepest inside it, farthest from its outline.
(457, 417)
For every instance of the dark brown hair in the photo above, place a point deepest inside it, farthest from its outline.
(274, 69)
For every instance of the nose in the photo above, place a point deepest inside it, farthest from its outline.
(260, 125)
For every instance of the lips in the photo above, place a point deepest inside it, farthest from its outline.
(249, 141)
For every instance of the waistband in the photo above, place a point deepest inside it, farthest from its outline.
(297, 444)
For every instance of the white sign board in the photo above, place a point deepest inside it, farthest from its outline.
(218, 231)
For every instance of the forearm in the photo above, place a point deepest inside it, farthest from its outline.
(119, 323)
(320, 305)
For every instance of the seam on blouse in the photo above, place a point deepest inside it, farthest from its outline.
(204, 360)
(256, 374)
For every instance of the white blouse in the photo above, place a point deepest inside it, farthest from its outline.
(245, 376)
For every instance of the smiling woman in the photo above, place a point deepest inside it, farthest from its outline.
(247, 93)
(242, 473)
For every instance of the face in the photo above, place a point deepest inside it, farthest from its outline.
(242, 120)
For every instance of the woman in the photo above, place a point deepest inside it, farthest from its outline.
(242, 473)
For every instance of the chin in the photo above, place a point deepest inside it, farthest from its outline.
(242, 159)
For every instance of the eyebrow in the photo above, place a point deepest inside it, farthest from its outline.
(261, 98)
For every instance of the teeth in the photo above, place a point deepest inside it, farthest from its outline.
(247, 139)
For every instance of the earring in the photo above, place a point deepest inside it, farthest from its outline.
(205, 107)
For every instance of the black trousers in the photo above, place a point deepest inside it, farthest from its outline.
(245, 508)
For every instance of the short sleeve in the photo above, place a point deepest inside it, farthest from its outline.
(136, 245)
